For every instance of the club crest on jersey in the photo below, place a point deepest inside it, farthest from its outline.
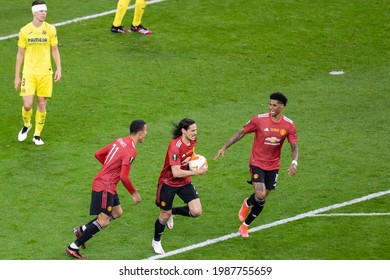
(282, 132)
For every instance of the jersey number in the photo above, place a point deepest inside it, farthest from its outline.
(111, 154)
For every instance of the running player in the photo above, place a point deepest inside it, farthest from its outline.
(117, 159)
(271, 129)
(175, 179)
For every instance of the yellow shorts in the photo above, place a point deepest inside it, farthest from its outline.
(40, 85)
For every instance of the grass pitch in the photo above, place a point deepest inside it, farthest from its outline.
(216, 62)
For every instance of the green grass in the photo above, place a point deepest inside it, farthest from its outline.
(216, 63)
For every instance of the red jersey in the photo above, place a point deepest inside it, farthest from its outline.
(117, 159)
(178, 153)
(268, 140)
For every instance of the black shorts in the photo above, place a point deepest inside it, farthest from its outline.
(166, 194)
(268, 177)
(103, 202)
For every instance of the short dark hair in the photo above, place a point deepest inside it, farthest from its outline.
(38, 3)
(280, 97)
(136, 126)
(184, 123)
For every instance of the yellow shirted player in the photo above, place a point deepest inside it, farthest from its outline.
(136, 26)
(37, 41)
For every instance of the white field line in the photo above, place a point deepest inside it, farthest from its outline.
(351, 214)
(277, 223)
(83, 18)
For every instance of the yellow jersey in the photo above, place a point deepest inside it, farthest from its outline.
(37, 43)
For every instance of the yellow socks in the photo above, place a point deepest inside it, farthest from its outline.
(120, 12)
(138, 11)
(39, 122)
(26, 115)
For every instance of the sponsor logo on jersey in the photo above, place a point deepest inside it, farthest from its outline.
(272, 140)
(37, 40)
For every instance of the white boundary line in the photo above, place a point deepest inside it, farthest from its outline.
(277, 223)
(84, 18)
(351, 214)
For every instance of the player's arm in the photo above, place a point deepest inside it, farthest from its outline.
(125, 171)
(235, 138)
(177, 172)
(57, 60)
(294, 159)
(101, 154)
(18, 67)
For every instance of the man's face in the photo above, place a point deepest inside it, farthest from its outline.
(275, 107)
(40, 15)
(191, 132)
(143, 133)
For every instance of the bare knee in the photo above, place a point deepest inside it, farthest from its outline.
(261, 192)
(27, 107)
(103, 220)
(196, 213)
(117, 212)
(195, 208)
(164, 215)
(260, 196)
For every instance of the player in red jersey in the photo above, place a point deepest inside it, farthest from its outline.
(117, 159)
(175, 179)
(271, 129)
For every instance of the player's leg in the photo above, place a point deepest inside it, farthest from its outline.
(27, 92)
(40, 117)
(159, 227)
(164, 200)
(101, 205)
(263, 183)
(121, 9)
(136, 25)
(44, 91)
(257, 205)
(193, 207)
(190, 196)
(116, 213)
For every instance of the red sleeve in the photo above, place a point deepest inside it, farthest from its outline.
(251, 125)
(126, 180)
(174, 155)
(292, 136)
(101, 154)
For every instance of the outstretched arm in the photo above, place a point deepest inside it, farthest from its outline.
(235, 138)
